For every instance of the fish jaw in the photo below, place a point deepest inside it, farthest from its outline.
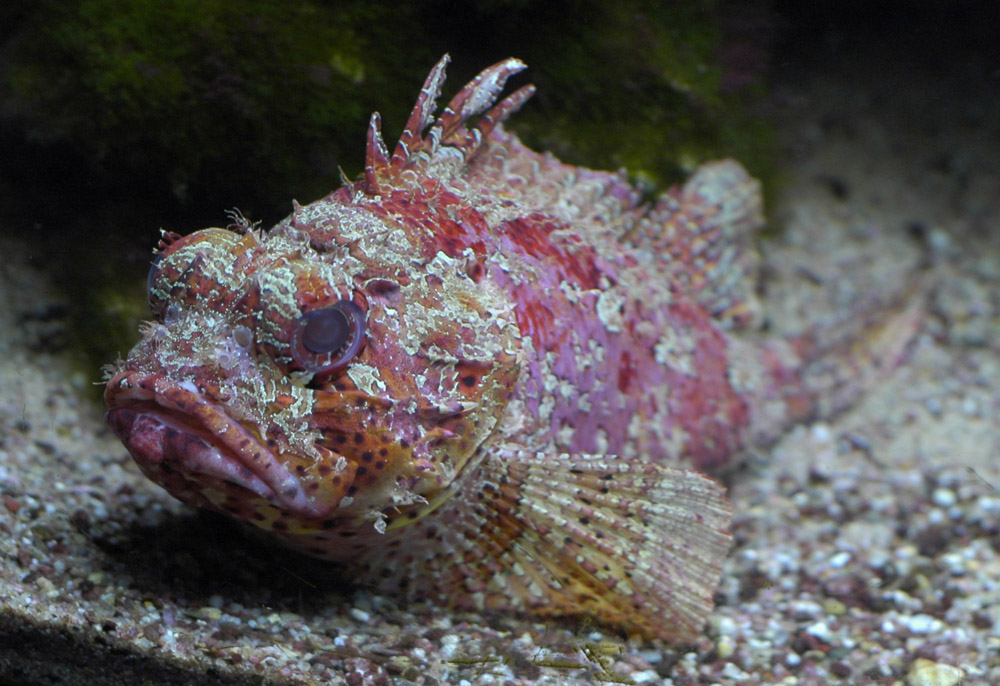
(202, 456)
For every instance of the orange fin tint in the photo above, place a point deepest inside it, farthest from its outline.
(634, 546)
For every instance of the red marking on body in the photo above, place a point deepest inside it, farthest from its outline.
(450, 226)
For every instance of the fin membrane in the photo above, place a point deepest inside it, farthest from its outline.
(631, 545)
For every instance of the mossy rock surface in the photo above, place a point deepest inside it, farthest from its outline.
(130, 115)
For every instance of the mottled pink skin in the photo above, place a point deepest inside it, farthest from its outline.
(692, 412)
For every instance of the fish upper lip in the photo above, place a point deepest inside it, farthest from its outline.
(181, 405)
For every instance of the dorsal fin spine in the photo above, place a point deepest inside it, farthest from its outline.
(376, 154)
(415, 150)
(423, 112)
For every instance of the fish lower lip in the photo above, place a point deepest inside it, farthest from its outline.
(172, 431)
(163, 446)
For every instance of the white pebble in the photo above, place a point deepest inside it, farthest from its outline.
(922, 624)
(943, 497)
(731, 671)
(821, 433)
(821, 631)
(360, 614)
(840, 560)
(725, 626)
(449, 645)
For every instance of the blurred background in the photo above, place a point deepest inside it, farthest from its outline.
(119, 117)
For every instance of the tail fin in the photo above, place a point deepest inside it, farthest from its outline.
(827, 368)
(632, 545)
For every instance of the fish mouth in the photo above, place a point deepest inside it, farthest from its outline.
(185, 442)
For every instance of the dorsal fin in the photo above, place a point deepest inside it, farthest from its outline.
(704, 230)
(415, 150)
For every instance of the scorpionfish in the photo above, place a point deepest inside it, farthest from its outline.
(475, 376)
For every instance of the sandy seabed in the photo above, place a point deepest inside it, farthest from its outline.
(866, 546)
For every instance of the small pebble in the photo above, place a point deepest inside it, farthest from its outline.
(840, 560)
(943, 497)
(924, 672)
(725, 647)
(922, 624)
(360, 614)
(821, 631)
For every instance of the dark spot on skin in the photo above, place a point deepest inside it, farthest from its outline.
(300, 469)
(576, 471)
(469, 381)
(328, 523)
(340, 438)
(348, 534)
(383, 452)
(367, 456)
(381, 287)
(316, 550)
(313, 486)
(585, 520)
(280, 526)
(359, 438)
(404, 444)
(379, 465)
(324, 469)
(258, 517)
(476, 271)
(605, 490)
(336, 481)
(608, 477)
(352, 490)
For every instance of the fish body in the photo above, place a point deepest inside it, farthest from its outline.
(476, 375)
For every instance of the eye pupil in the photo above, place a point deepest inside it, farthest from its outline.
(325, 330)
(326, 340)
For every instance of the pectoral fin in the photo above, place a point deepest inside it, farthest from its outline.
(632, 545)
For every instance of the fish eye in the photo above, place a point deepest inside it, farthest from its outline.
(325, 340)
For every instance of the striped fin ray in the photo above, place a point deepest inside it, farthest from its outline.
(631, 545)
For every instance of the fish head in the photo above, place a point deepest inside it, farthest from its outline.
(312, 383)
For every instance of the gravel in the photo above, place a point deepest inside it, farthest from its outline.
(866, 545)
